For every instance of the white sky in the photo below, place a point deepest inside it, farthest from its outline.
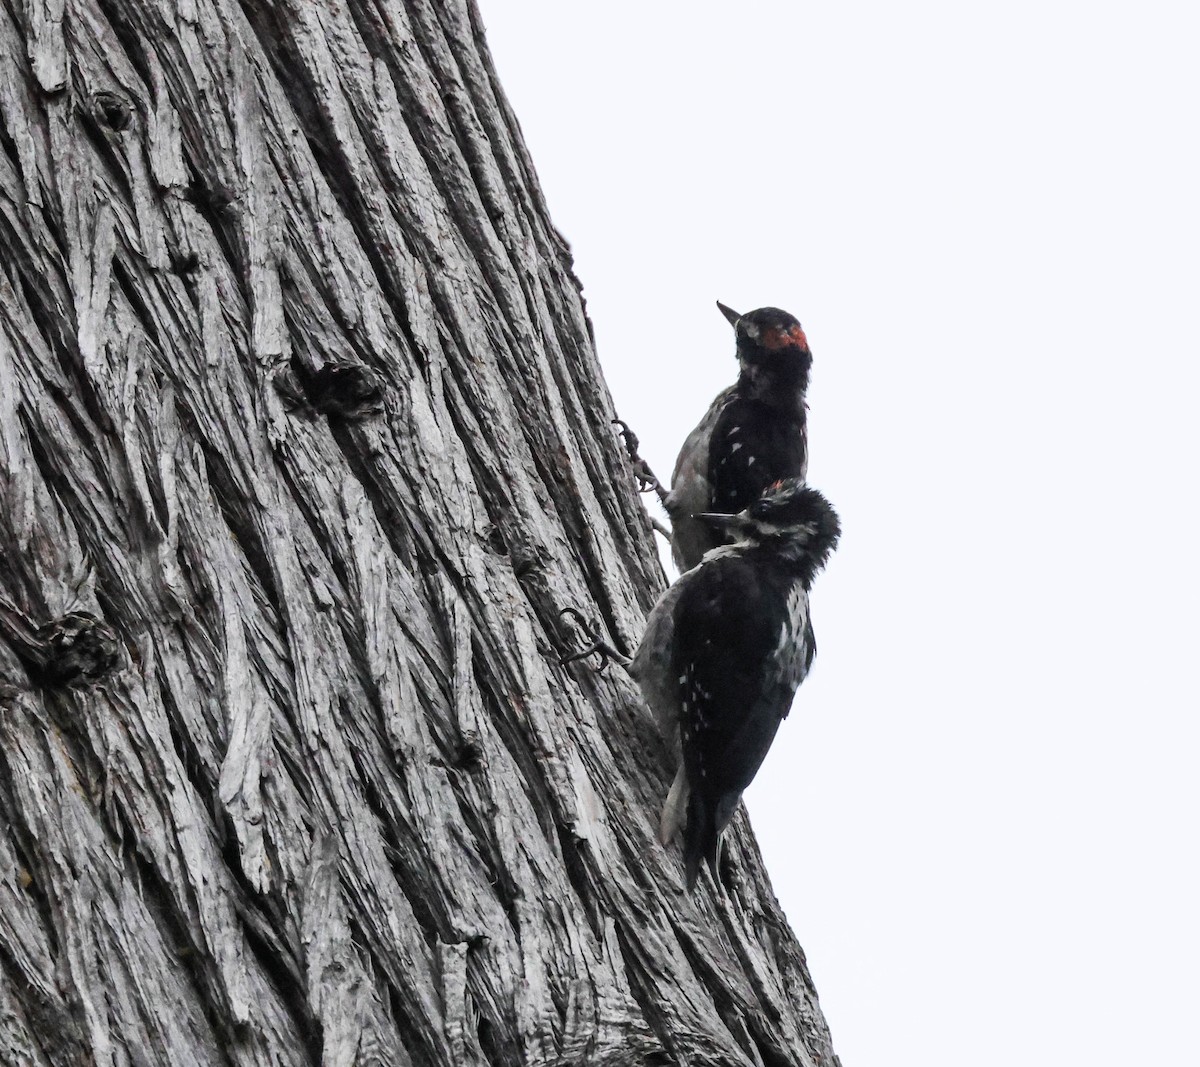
(981, 814)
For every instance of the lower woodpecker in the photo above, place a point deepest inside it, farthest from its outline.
(724, 651)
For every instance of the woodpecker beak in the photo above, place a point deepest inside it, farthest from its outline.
(729, 313)
(728, 523)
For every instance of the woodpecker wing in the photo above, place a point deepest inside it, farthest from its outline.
(690, 489)
(742, 645)
(652, 667)
(753, 446)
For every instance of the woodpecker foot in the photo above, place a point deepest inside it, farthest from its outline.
(596, 643)
(646, 479)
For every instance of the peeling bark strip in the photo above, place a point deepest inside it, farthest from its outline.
(339, 803)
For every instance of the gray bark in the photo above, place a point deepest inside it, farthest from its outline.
(304, 447)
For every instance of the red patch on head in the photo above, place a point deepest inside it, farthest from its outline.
(775, 338)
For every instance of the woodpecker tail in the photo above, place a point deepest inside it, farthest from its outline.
(673, 808)
(701, 838)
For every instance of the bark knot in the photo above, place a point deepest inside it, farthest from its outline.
(78, 651)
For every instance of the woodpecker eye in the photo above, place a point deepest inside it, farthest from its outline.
(752, 331)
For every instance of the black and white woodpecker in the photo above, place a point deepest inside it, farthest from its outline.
(724, 651)
(754, 433)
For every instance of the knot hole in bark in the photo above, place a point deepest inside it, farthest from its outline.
(112, 111)
(77, 651)
(341, 388)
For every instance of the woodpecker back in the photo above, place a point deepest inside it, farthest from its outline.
(754, 434)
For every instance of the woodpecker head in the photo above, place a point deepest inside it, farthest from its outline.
(771, 348)
(789, 518)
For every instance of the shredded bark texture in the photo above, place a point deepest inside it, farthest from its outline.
(303, 448)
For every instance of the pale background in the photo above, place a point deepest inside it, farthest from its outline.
(981, 814)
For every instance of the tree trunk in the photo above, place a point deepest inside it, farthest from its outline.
(305, 446)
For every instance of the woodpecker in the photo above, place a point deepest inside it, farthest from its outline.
(724, 651)
(754, 433)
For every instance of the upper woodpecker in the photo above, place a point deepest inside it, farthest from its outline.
(754, 433)
(724, 651)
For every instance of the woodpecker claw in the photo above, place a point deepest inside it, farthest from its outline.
(596, 643)
(647, 482)
(631, 439)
